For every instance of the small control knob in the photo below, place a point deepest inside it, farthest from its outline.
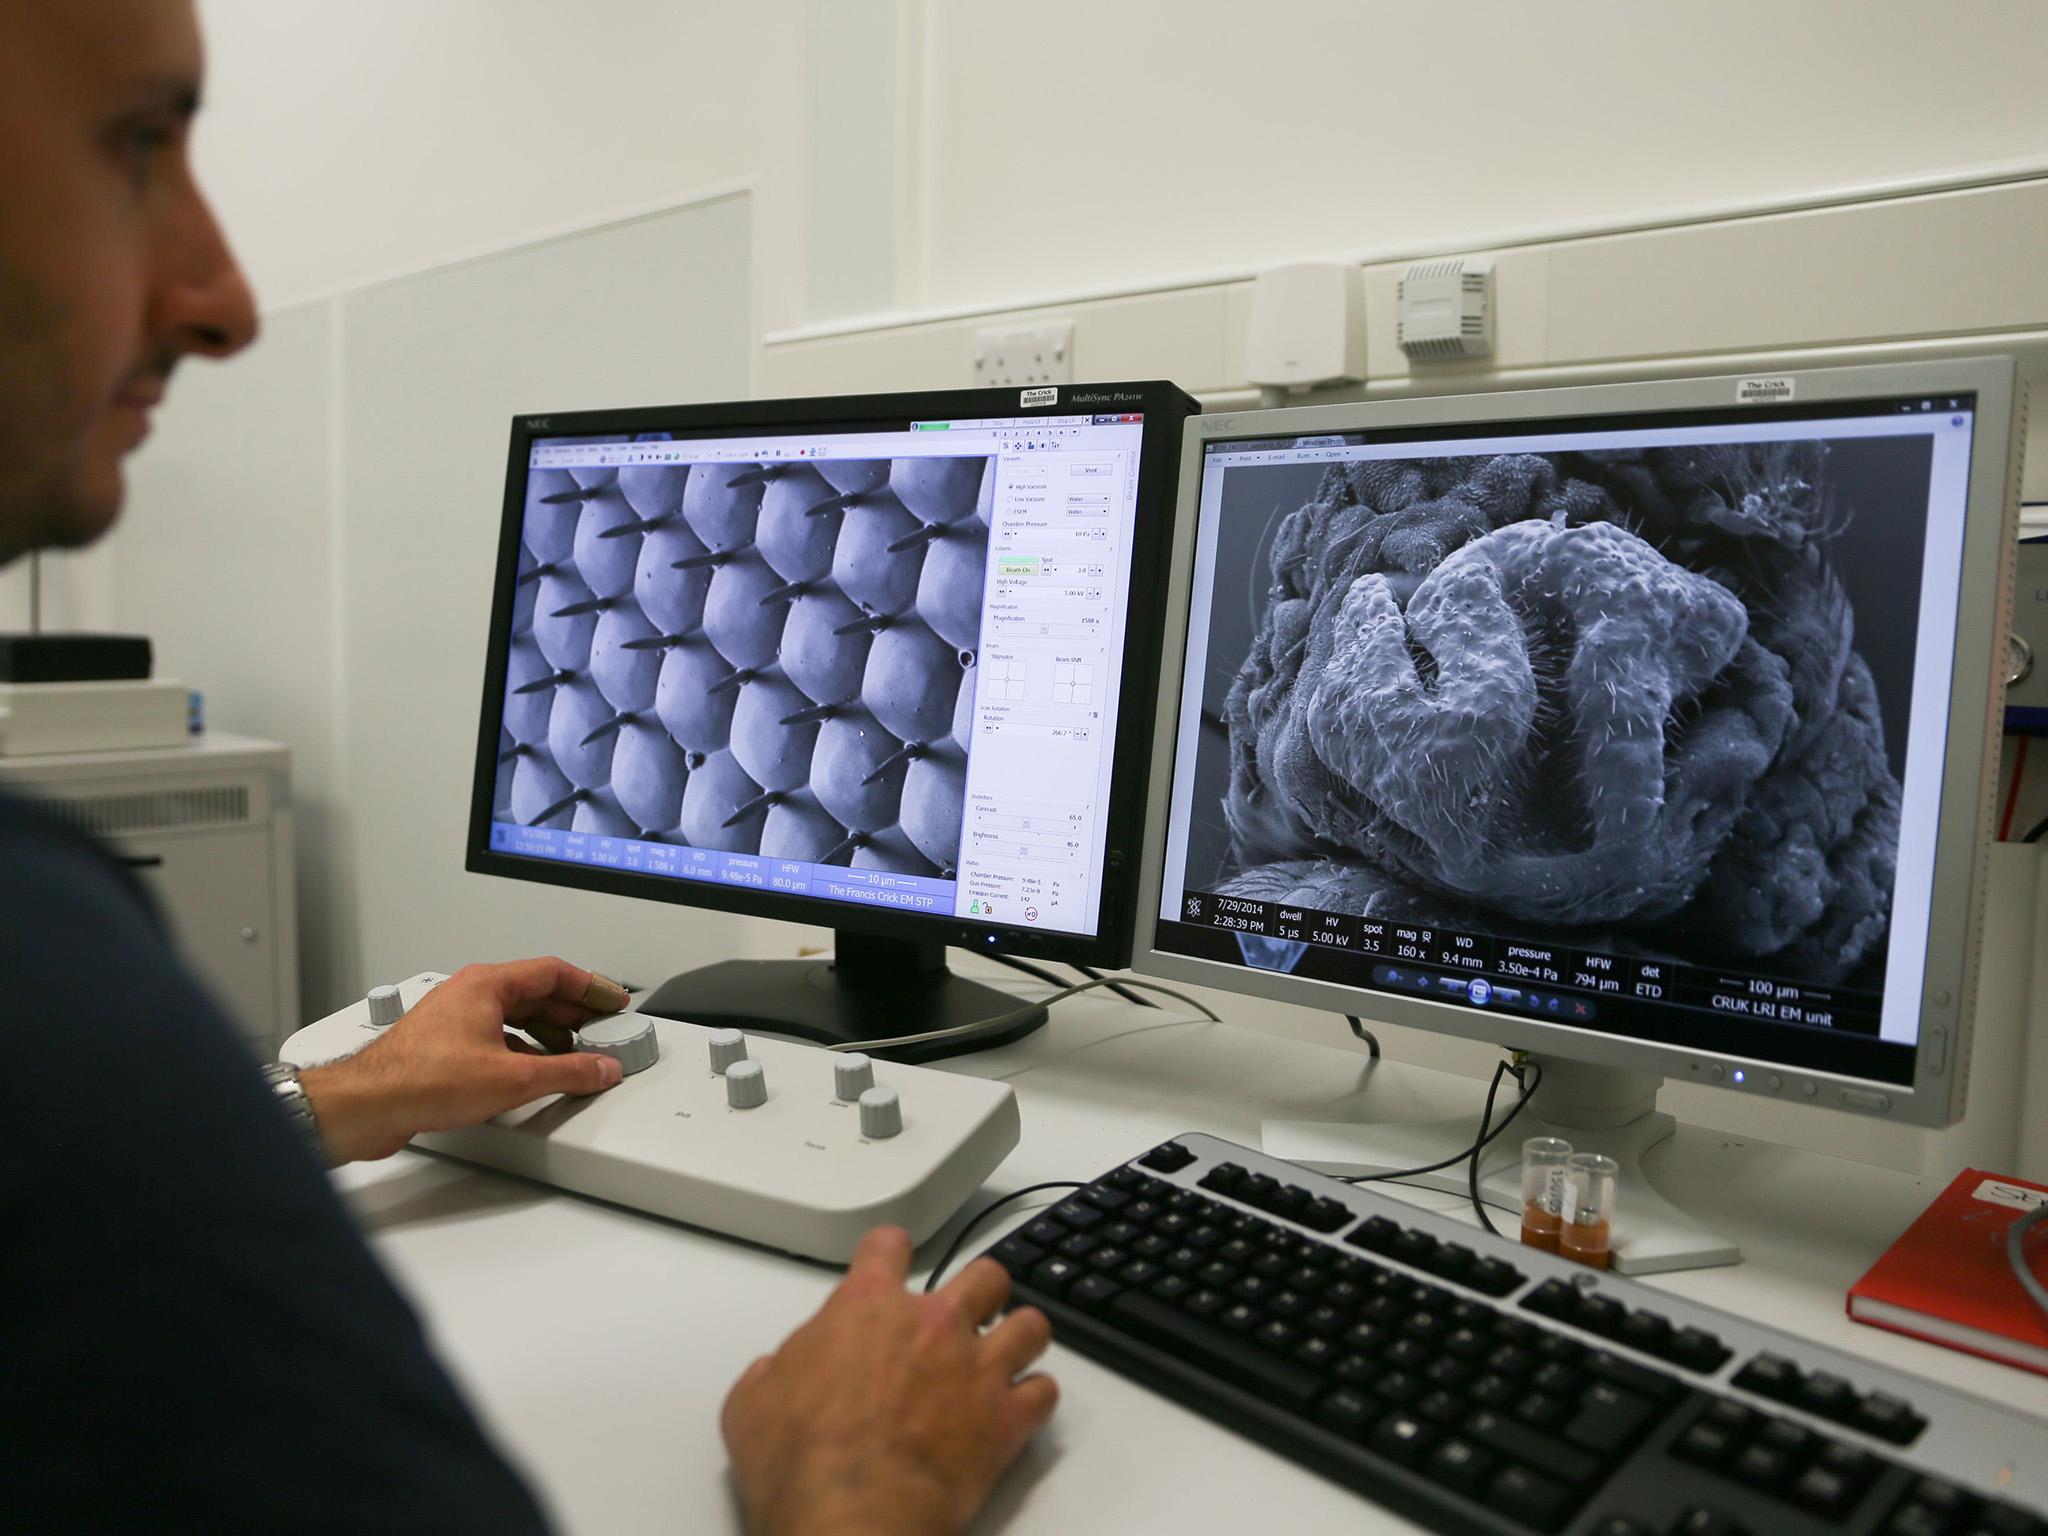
(852, 1076)
(746, 1085)
(727, 1047)
(626, 1037)
(386, 1007)
(881, 1113)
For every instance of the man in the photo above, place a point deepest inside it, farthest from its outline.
(192, 1334)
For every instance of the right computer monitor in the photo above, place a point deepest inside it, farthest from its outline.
(1647, 728)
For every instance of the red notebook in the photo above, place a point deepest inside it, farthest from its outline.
(1948, 1281)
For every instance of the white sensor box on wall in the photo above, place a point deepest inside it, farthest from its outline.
(1308, 325)
(1445, 308)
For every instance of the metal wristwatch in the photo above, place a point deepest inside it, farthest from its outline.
(291, 1097)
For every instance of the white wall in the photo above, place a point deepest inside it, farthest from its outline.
(1079, 144)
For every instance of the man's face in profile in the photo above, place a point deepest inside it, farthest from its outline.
(111, 266)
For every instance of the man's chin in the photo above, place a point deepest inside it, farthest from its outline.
(74, 521)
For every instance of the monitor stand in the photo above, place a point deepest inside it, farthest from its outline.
(1596, 1109)
(871, 989)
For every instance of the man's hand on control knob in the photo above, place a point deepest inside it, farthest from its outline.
(448, 1063)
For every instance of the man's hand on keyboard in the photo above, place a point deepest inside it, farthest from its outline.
(888, 1411)
(449, 1064)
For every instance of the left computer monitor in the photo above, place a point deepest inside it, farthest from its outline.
(882, 663)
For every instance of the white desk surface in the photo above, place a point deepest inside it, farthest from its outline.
(598, 1343)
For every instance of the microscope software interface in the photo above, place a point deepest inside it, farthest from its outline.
(875, 667)
(1629, 723)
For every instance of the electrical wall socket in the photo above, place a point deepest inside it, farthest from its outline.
(1025, 354)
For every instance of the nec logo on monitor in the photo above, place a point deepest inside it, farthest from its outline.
(1042, 396)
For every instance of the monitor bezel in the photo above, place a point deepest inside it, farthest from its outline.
(1164, 406)
(1935, 1094)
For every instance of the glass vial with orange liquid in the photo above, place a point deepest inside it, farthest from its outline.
(1586, 1227)
(1544, 1161)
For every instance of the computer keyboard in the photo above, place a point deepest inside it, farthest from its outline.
(1473, 1385)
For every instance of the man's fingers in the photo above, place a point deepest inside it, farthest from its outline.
(552, 1039)
(1017, 1340)
(978, 1291)
(883, 1255)
(522, 984)
(1033, 1400)
(581, 1072)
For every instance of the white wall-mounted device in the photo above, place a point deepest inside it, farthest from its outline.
(1307, 325)
(1444, 308)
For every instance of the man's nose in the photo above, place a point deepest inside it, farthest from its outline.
(204, 302)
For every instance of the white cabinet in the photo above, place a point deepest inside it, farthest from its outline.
(207, 826)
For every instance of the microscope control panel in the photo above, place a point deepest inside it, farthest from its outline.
(777, 1142)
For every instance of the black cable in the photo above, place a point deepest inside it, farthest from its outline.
(982, 1215)
(1051, 978)
(2038, 831)
(1123, 992)
(1472, 1168)
(1486, 1140)
(1372, 1041)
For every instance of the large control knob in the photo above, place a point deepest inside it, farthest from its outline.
(386, 1007)
(881, 1113)
(727, 1047)
(746, 1085)
(852, 1076)
(626, 1037)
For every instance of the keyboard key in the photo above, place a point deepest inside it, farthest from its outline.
(1403, 1437)
(1375, 1234)
(1530, 1497)
(1047, 1232)
(1234, 1359)
(1168, 1158)
(1602, 1315)
(1460, 1465)
(1494, 1277)
(1105, 1197)
(1016, 1254)
(1609, 1419)
(1761, 1466)
(1173, 1288)
(1315, 1353)
(1621, 1525)
(1093, 1292)
(1521, 1443)
(1829, 1395)
(1205, 1303)
(1325, 1214)
(1346, 1411)
(1053, 1276)
(1646, 1331)
(1078, 1214)
(1825, 1493)
(1697, 1350)
(1771, 1376)
(1631, 1377)
(1553, 1298)
(1543, 1410)
(1224, 1178)
(1889, 1418)
(1441, 1407)
(1706, 1443)
(1707, 1522)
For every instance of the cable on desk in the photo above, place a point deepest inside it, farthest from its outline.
(1486, 1138)
(1486, 1119)
(1117, 987)
(2015, 1250)
(960, 1240)
(1358, 1028)
(1003, 1021)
